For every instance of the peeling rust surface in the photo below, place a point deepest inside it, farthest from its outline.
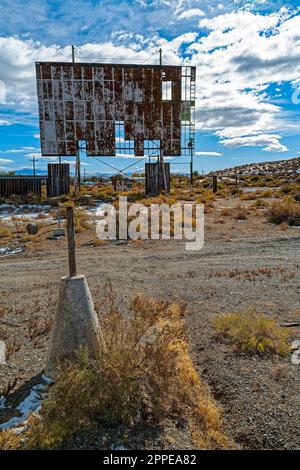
(84, 101)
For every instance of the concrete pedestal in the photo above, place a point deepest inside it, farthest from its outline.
(76, 324)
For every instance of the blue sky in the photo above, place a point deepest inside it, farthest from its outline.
(247, 55)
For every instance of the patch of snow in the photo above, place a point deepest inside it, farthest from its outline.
(2, 402)
(32, 403)
(118, 447)
(47, 380)
(7, 251)
(296, 357)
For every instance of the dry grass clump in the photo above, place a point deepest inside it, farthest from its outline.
(285, 211)
(81, 221)
(259, 203)
(144, 376)
(252, 332)
(10, 440)
(253, 274)
(237, 213)
(5, 232)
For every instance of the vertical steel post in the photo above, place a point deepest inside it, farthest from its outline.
(71, 241)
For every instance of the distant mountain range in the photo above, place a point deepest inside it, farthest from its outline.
(38, 172)
(29, 171)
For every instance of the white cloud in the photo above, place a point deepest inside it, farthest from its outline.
(5, 161)
(128, 155)
(33, 155)
(2, 92)
(20, 150)
(209, 154)
(192, 13)
(270, 142)
(240, 55)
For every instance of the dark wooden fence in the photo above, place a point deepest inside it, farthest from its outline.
(20, 185)
(58, 182)
(157, 178)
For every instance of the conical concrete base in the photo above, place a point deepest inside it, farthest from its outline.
(76, 324)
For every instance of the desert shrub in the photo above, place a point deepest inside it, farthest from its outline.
(225, 212)
(143, 375)
(235, 191)
(238, 212)
(285, 211)
(9, 440)
(81, 221)
(297, 197)
(259, 203)
(287, 188)
(133, 195)
(248, 196)
(5, 232)
(267, 193)
(252, 332)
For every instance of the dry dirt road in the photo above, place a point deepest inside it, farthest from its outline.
(260, 397)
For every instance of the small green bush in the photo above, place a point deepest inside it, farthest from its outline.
(252, 332)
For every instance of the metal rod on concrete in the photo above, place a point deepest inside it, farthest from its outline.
(71, 241)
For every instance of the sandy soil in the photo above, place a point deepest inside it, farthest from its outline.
(260, 397)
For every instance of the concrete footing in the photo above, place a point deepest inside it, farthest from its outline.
(76, 324)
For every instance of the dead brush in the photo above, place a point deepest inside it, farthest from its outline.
(12, 346)
(253, 274)
(5, 232)
(9, 440)
(81, 221)
(38, 327)
(2, 311)
(237, 213)
(144, 375)
(10, 385)
(252, 332)
(285, 211)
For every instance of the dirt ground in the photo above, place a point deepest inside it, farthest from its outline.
(260, 398)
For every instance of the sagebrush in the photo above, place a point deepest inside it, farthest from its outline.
(143, 375)
(252, 332)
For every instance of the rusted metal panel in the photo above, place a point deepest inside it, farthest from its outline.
(20, 185)
(58, 181)
(83, 101)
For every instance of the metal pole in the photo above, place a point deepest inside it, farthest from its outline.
(71, 242)
(160, 57)
(78, 168)
(191, 169)
(73, 54)
(34, 179)
(60, 176)
(190, 145)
